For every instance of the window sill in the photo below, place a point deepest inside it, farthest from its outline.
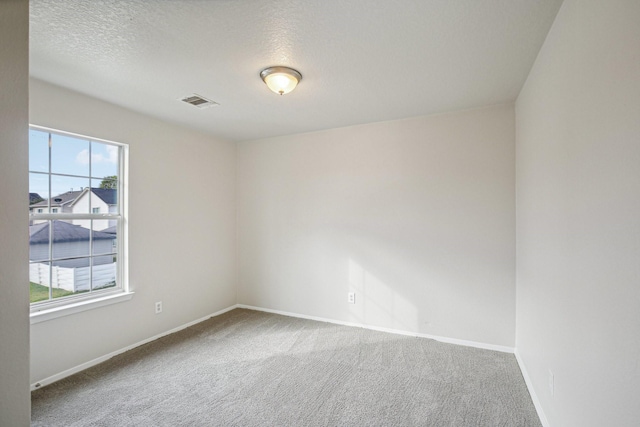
(54, 313)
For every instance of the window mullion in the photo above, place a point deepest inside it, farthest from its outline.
(90, 180)
(50, 225)
(72, 216)
(90, 255)
(49, 176)
(50, 260)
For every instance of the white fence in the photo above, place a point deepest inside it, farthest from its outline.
(73, 279)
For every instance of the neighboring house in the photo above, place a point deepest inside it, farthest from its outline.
(111, 230)
(59, 204)
(103, 200)
(70, 241)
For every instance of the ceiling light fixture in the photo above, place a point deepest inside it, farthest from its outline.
(281, 80)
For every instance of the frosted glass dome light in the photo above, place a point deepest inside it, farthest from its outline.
(281, 80)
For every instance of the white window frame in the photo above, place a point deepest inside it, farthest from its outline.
(53, 308)
(95, 210)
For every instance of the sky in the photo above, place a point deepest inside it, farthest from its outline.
(70, 156)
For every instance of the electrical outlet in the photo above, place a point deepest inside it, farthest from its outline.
(352, 297)
(159, 307)
(551, 382)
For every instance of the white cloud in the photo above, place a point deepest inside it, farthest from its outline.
(83, 157)
(111, 157)
(113, 154)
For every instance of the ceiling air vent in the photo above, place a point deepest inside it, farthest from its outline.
(199, 101)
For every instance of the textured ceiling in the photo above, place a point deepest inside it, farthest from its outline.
(362, 60)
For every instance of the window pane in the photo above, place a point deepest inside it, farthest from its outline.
(104, 237)
(39, 241)
(68, 194)
(104, 272)
(69, 240)
(69, 155)
(38, 151)
(39, 281)
(70, 277)
(104, 198)
(38, 192)
(104, 160)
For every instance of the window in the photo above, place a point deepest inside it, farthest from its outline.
(75, 253)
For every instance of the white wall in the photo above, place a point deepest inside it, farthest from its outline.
(416, 216)
(14, 247)
(179, 253)
(578, 216)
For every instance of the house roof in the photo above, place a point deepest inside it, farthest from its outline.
(111, 230)
(60, 199)
(63, 232)
(107, 195)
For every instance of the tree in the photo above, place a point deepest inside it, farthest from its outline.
(110, 182)
(35, 198)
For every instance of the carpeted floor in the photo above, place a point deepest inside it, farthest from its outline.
(248, 368)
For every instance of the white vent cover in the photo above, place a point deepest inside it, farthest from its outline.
(199, 101)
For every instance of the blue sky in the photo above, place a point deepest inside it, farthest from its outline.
(69, 156)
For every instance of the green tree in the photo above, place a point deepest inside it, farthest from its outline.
(35, 198)
(109, 182)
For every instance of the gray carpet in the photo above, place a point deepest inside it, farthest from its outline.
(248, 368)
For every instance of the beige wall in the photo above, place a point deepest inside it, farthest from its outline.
(14, 255)
(181, 230)
(416, 216)
(578, 216)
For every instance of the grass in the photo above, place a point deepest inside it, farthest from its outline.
(41, 293)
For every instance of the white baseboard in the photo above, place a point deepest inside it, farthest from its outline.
(466, 343)
(532, 392)
(96, 361)
(86, 365)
